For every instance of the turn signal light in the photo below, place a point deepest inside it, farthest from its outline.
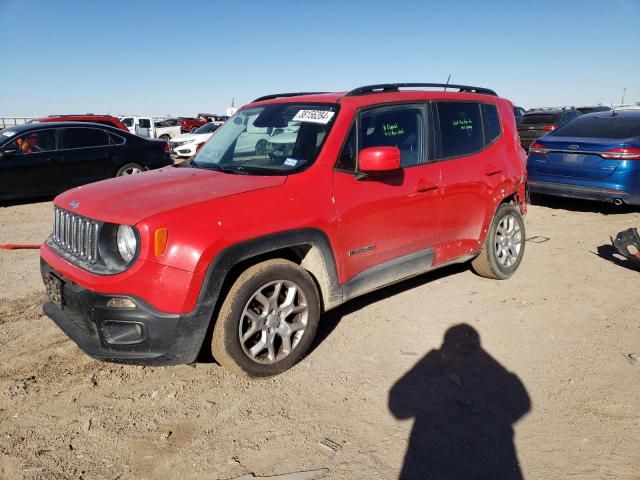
(538, 148)
(160, 237)
(622, 153)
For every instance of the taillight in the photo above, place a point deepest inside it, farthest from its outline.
(622, 153)
(167, 148)
(536, 147)
(549, 128)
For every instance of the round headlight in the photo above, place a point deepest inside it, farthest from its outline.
(127, 242)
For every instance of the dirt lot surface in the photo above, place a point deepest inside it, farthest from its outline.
(551, 385)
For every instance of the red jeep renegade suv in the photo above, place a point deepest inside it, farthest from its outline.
(300, 202)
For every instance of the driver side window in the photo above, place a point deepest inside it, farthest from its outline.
(34, 142)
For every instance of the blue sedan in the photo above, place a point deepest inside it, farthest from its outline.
(594, 157)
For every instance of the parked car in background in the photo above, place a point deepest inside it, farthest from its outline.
(187, 144)
(595, 157)
(189, 124)
(249, 250)
(163, 129)
(518, 112)
(47, 158)
(593, 109)
(87, 117)
(536, 123)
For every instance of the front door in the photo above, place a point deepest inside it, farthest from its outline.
(29, 165)
(86, 156)
(387, 222)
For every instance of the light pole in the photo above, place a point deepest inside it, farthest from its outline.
(624, 92)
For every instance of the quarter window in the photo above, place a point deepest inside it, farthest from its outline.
(491, 123)
(347, 160)
(84, 137)
(460, 128)
(401, 127)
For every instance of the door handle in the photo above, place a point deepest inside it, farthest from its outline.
(491, 170)
(425, 186)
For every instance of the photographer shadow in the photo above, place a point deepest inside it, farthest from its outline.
(464, 404)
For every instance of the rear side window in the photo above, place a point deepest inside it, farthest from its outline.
(401, 126)
(491, 123)
(144, 123)
(460, 128)
(606, 126)
(538, 119)
(84, 137)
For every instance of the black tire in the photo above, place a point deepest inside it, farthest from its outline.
(226, 345)
(131, 168)
(193, 129)
(166, 138)
(492, 264)
(261, 147)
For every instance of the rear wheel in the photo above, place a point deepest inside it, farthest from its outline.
(268, 319)
(504, 246)
(166, 138)
(129, 169)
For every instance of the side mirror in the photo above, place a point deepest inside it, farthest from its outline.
(374, 160)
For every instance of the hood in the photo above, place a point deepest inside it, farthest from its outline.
(130, 199)
(191, 137)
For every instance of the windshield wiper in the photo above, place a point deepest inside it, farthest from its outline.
(238, 170)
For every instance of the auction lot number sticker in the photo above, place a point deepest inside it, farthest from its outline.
(314, 116)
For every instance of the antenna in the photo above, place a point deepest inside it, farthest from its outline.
(445, 85)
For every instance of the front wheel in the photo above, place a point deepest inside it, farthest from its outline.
(504, 246)
(268, 319)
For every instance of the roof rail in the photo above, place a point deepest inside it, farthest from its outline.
(281, 95)
(394, 87)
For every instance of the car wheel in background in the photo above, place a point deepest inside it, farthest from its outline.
(193, 129)
(129, 169)
(261, 147)
(166, 138)
(268, 319)
(504, 246)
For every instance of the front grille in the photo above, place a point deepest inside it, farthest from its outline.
(75, 235)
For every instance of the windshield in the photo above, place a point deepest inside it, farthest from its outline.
(608, 126)
(208, 128)
(273, 139)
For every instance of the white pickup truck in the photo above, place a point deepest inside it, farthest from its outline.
(151, 127)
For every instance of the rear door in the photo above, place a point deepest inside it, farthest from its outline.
(30, 165)
(143, 127)
(471, 160)
(87, 155)
(385, 218)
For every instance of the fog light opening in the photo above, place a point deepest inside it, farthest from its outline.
(121, 303)
(123, 333)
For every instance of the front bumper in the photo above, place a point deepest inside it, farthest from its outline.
(140, 335)
(582, 192)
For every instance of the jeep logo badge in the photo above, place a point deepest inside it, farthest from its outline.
(74, 204)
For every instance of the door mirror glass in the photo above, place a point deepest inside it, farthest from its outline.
(379, 160)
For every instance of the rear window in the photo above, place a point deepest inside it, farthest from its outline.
(601, 127)
(538, 119)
